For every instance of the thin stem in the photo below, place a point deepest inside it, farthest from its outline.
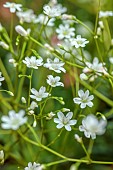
(60, 155)
(7, 78)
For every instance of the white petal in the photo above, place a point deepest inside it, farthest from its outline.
(69, 115)
(60, 115)
(59, 126)
(68, 127)
(72, 122)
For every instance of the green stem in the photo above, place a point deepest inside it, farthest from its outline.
(60, 155)
(84, 25)
(97, 93)
(7, 78)
(88, 156)
(30, 87)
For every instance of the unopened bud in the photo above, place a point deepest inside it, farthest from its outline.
(4, 45)
(23, 100)
(78, 138)
(65, 110)
(20, 30)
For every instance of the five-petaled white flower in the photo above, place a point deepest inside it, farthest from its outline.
(54, 11)
(91, 126)
(33, 105)
(64, 121)
(14, 120)
(105, 14)
(39, 95)
(13, 6)
(34, 166)
(44, 19)
(20, 30)
(1, 78)
(55, 65)
(54, 81)
(26, 16)
(96, 67)
(65, 31)
(84, 99)
(79, 42)
(33, 62)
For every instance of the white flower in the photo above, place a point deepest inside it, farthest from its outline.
(43, 19)
(64, 121)
(26, 16)
(65, 31)
(105, 14)
(1, 78)
(33, 105)
(39, 95)
(33, 62)
(13, 6)
(55, 65)
(4, 45)
(54, 11)
(54, 81)
(84, 99)
(95, 66)
(79, 42)
(20, 30)
(14, 120)
(91, 126)
(34, 166)
(1, 155)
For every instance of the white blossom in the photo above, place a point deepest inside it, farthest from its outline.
(54, 81)
(65, 31)
(105, 14)
(1, 78)
(34, 166)
(96, 67)
(91, 126)
(33, 105)
(26, 16)
(13, 120)
(20, 30)
(43, 19)
(38, 95)
(55, 65)
(84, 99)
(79, 42)
(33, 62)
(54, 11)
(65, 121)
(13, 6)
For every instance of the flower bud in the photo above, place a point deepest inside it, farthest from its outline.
(1, 155)
(20, 30)
(78, 138)
(23, 100)
(4, 45)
